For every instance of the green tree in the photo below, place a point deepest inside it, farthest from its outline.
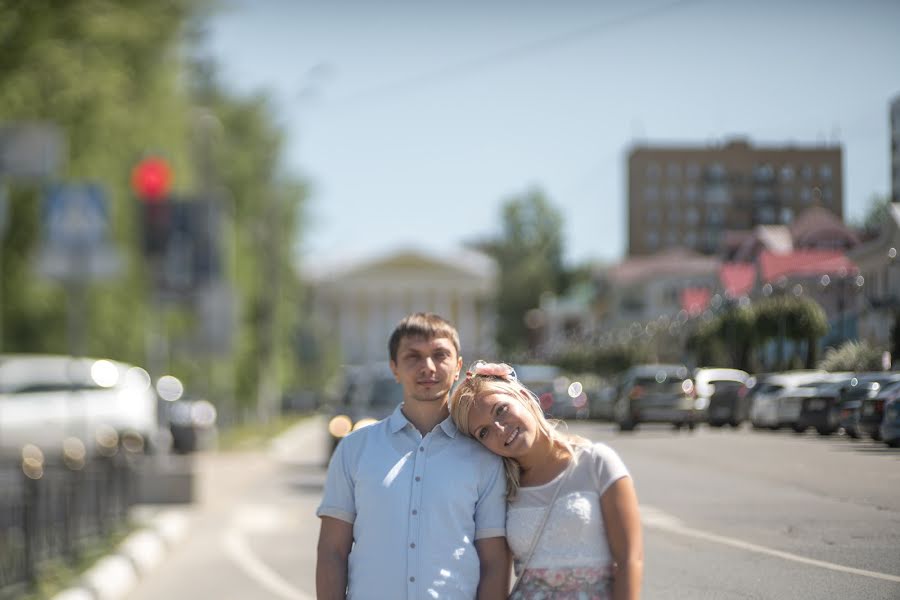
(529, 253)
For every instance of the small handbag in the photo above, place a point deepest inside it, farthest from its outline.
(540, 531)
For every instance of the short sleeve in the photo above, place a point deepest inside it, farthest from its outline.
(608, 466)
(490, 509)
(338, 498)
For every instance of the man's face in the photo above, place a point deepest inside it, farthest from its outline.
(426, 368)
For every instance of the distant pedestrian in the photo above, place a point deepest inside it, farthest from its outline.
(573, 524)
(412, 509)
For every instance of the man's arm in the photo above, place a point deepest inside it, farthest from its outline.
(622, 518)
(335, 541)
(493, 554)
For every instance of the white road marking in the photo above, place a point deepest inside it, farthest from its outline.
(656, 519)
(258, 519)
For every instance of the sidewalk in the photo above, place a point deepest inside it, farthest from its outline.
(163, 527)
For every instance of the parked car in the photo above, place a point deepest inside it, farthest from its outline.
(368, 394)
(890, 424)
(723, 393)
(656, 394)
(45, 399)
(549, 384)
(821, 409)
(861, 387)
(872, 410)
(601, 401)
(766, 408)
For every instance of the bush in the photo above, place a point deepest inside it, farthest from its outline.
(852, 356)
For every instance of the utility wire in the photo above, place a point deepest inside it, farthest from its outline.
(507, 55)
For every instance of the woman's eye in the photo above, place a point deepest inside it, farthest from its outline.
(481, 433)
(501, 409)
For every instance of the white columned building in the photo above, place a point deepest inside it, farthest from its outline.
(362, 303)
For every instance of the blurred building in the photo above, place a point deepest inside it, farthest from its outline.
(895, 150)
(690, 196)
(879, 263)
(361, 303)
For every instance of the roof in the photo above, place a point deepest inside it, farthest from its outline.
(462, 261)
(672, 262)
(737, 278)
(804, 263)
(816, 222)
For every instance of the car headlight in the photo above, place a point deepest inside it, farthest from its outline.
(340, 426)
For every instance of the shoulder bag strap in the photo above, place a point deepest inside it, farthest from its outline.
(540, 529)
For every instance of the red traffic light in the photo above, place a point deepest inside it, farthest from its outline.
(151, 179)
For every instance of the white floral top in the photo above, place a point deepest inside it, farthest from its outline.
(572, 558)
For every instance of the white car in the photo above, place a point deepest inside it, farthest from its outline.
(45, 399)
(781, 388)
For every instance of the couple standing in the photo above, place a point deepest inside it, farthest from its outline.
(429, 502)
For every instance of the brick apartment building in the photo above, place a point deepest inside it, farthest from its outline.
(684, 196)
(895, 150)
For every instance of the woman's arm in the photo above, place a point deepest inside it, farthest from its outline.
(623, 532)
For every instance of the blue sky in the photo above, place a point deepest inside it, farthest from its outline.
(415, 120)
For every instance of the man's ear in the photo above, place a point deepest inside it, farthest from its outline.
(459, 367)
(393, 366)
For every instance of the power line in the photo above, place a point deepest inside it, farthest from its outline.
(507, 55)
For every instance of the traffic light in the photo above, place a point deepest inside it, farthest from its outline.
(151, 180)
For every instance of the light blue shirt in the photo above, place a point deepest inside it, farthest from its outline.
(417, 505)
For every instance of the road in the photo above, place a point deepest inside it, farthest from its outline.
(727, 515)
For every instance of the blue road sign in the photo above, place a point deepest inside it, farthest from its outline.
(75, 215)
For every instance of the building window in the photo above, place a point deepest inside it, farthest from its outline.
(673, 171)
(653, 216)
(827, 194)
(763, 173)
(651, 193)
(716, 172)
(717, 194)
(806, 172)
(692, 171)
(653, 171)
(715, 216)
(690, 239)
(825, 172)
(761, 195)
(652, 238)
(805, 195)
(672, 193)
(671, 238)
(765, 215)
(787, 173)
(691, 193)
(674, 216)
(787, 216)
(692, 216)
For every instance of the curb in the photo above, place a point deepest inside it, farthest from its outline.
(113, 576)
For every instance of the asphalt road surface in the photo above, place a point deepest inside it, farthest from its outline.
(727, 515)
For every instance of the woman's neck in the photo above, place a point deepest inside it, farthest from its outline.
(546, 459)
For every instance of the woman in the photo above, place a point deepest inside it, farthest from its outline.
(572, 524)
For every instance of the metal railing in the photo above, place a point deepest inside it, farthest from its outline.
(52, 509)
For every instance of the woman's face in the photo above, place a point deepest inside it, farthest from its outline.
(503, 424)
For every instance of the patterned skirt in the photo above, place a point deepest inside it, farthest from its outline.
(582, 583)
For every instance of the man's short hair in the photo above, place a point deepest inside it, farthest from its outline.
(422, 325)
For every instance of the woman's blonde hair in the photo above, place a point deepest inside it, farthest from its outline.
(477, 386)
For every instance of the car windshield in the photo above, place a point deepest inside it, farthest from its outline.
(768, 388)
(662, 382)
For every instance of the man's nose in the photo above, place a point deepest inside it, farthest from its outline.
(429, 363)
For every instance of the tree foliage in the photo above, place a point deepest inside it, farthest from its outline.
(115, 79)
(852, 356)
(529, 253)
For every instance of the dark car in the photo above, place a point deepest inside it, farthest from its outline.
(368, 394)
(890, 424)
(821, 410)
(656, 394)
(724, 393)
(872, 410)
(861, 387)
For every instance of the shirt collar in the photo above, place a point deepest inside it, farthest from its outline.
(397, 421)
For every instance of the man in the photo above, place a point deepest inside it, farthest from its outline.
(413, 509)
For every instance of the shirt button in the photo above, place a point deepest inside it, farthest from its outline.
(418, 478)
(413, 545)
(412, 579)
(415, 512)
(421, 448)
